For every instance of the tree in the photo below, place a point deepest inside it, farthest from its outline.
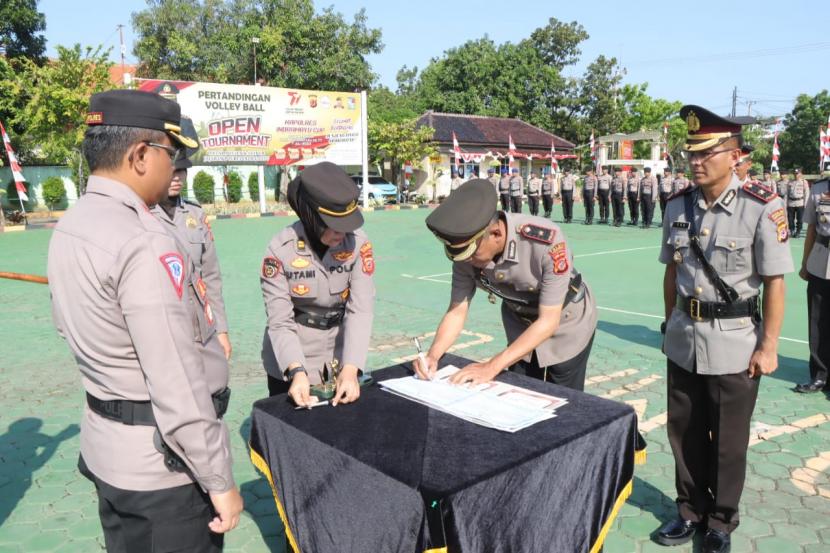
(388, 107)
(20, 28)
(234, 187)
(400, 143)
(799, 141)
(298, 48)
(203, 187)
(558, 43)
(54, 193)
(641, 112)
(253, 186)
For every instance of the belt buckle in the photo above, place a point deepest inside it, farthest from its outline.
(694, 310)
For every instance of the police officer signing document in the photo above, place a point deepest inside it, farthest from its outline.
(548, 312)
(318, 288)
(724, 242)
(126, 298)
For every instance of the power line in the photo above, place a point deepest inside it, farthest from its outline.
(740, 55)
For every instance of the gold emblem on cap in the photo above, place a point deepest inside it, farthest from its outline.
(692, 122)
(499, 276)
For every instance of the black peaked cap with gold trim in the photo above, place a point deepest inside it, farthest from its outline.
(464, 217)
(706, 129)
(333, 195)
(188, 130)
(134, 108)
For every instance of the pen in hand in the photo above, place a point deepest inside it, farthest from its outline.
(422, 358)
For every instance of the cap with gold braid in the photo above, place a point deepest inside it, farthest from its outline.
(464, 217)
(706, 130)
(133, 108)
(333, 195)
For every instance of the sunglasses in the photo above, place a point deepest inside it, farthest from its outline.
(175, 154)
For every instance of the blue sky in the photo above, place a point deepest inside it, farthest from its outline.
(693, 52)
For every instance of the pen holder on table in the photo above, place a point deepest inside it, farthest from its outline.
(324, 390)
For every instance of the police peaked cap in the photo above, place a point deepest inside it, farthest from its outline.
(463, 218)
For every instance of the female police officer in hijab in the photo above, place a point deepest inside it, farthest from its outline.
(317, 285)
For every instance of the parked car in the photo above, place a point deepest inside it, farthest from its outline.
(379, 188)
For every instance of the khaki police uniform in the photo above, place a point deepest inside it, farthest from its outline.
(589, 191)
(648, 191)
(769, 183)
(317, 309)
(504, 192)
(190, 227)
(782, 187)
(566, 191)
(535, 269)
(796, 194)
(634, 198)
(679, 184)
(534, 187)
(494, 179)
(618, 184)
(516, 193)
(743, 234)
(666, 190)
(604, 194)
(817, 215)
(547, 194)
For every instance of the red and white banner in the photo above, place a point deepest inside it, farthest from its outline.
(593, 150)
(456, 150)
(554, 165)
(824, 145)
(776, 153)
(17, 172)
(665, 143)
(511, 150)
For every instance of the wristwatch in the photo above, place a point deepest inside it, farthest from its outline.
(289, 374)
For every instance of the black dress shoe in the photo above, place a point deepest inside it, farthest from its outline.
(811, 387)
(716, 541)
(676, 532)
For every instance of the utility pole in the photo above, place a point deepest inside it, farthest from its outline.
(123, 49)
(734, 100)
(255, 41)
(749, 107)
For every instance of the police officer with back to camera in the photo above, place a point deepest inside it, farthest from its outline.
(566, 191)
(548, 311)
(724, 242)
(534, 187)
(797, 191)
(618, 185)
(589, 191)
(633, 189)
(666, 190)
(815, 269)
(504, 189)
(318, 288)
(603, 194)
(547, 194)
(129, 303)
(517, 184)
(187, 223)
(648, 193)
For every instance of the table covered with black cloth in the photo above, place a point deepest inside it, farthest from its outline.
(386, 474)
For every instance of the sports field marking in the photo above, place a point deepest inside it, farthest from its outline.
(642, 383)
(606, 377)
(480, 339)
(805, 478)
(769, 432)
(607, 252)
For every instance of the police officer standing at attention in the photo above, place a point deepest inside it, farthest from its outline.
(188, 224)
(493, 178)
(603, 191)
(547, 194)
(548, 311)
(504, 189)
(618, 183)
(318, 288)
(722, 240)
(666, 190)
(589, 191)
(815, 269)
(783, 186)
(534, 186)
(634, 197)
(517, 184)
(680, 182)
(796, 194)
(566, 190)
(648, 193)
(127, 300)
(769, 182)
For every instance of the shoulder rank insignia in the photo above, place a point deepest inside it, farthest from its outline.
(537, 233)
(758, 191)
(300, 263)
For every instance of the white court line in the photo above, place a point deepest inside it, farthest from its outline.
(617, 251)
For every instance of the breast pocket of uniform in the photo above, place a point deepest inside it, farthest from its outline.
(303, 289)
(339, 279)
(732, 254)
(196, 243)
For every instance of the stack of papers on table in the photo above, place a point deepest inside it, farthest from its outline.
(494, 404)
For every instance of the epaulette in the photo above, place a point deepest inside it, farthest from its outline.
(191, 202)
(758, 190)
(536, 233)
(679, 193)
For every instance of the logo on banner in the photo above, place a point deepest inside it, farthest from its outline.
(174, 264)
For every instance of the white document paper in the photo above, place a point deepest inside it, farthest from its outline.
(494, 404)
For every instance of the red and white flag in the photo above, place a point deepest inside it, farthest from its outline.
(824, 145)
(456, 150)
(776, 153)
(665, 143)
(593, 151)
(511, 150)
(554, 165)
(17, 172)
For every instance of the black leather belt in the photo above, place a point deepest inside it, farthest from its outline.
(140, 413)
(823, 240)
(529, 313)
(316, 320)
(706, 310)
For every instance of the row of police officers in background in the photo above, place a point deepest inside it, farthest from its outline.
(137, 294)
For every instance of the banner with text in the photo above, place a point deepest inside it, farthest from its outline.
(255, 125)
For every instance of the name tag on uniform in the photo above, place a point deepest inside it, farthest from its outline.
(680, 224)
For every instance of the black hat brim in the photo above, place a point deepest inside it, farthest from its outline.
(347, 223)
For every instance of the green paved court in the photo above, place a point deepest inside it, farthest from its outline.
(45, 505)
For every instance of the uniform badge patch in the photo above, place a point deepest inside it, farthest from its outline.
(343, 256)
(680, 224)
(271, 267)
(208, 227)
(300, 245)
(367, 258)
(300, 263)
(539, 234)
(511, 250)
(730, 196)
(301, 289)
(174, 264)
(344, 295)
(779, 218)
(559, 254)
(208, 313)
(190, 222)
(201, 288)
